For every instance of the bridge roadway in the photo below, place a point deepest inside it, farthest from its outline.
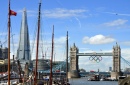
(95, 54)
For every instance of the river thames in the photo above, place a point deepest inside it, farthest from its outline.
(84, 81)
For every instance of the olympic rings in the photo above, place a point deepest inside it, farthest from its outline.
(95, 58)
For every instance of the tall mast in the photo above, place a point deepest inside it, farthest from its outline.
(39, 13)
(51, 57)
(67, 58)
(9, 44)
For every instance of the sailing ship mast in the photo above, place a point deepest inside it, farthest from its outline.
(10, 12)
(9, 44)
(67, 58)
(38, 32)
(50, 78)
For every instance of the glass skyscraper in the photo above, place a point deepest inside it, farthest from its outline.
(23, 52)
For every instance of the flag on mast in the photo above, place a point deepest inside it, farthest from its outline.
(13, 13)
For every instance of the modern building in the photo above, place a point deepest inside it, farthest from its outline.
(23, 52)
(60, 65)
(110, 69)
(43, 64)
(4, 53)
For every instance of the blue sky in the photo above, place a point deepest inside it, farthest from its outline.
(93, 25)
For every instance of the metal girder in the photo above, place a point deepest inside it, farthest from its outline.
(95, 54)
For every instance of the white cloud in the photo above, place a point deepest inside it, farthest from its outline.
(116, 22)
(98, 39)
(126, 53)
(78, 21)
(29, 12)
(60, 40)
(57, 13)
(63, 13)
(126, 43)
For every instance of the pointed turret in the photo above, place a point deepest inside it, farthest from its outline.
(23, 52)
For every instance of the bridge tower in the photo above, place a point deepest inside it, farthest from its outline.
(74, 68)
(116, 62)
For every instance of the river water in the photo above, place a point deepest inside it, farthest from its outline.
(84, 81)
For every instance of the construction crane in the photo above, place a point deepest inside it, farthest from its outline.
(1, 44)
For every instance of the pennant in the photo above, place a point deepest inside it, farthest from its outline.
(13, 13)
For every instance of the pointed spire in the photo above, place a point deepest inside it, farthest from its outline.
(40, 1)
(24, 18)
(24, 44)
(24, 9)
(116, 43)
(74, 45)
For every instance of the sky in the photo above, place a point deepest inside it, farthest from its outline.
(93, 25)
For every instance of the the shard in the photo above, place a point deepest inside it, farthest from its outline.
(23, 52)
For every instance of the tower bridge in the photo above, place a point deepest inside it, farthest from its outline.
(74, 56)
